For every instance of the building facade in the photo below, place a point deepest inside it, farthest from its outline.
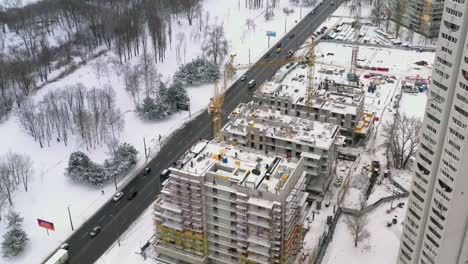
(422, 16)
(227, 204)
(436, 224)
(259, 127)
(332, 103)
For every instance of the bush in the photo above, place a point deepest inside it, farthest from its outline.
(196, 72)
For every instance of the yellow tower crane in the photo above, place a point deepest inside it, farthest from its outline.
(216, 104)
(215, 107)
(352, 75)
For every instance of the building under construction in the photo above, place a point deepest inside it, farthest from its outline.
(334, 103)
(262, 128)
(230, 204)
(422, 16)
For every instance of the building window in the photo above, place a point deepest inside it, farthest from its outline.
(415, 194)
(432, 240)
(458, 123)
(451, 26)
(446, 50)
(453, 12)
(433, 118)
(444, 62)
(428, 161)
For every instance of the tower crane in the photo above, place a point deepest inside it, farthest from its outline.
(216, 103)
(215, 107)
(352, 76)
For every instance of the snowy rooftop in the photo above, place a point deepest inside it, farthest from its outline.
(272, 123)
(246, 167)
(328, 94)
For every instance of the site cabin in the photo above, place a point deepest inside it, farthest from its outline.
(59, 257)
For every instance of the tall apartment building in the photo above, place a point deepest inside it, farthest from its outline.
(259, 127)
(333, 103)
(422, 16)
(436, 224)
(227, 204)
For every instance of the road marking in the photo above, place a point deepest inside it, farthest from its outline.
(84, 235)
(100, 219)
(117, 203)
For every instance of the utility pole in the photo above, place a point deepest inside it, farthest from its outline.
(300, 11)
(144, 145)
(189, 110)
(69, 217)
(249, 56)
(115, 183)
(285, 25)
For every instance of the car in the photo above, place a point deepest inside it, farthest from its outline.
(95, 231)
(291, 35)
(290, 53)
(165, 174)
(132, 195)
(267, 56)
(243, 78)
(65, 246)
(278, 45)
(278, 50)
(147, 171)
(332, 3)
(251, 83)
(117, 196)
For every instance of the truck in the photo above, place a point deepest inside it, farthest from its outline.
(59, 257)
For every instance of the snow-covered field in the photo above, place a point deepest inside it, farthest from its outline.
(381, 247)
(51, 193)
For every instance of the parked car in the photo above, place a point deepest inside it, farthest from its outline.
(291, 35)
(332, 3)
(278, 50)
(65, 246)
(147, 171)
(132, 195)
(267, 56)
(117, 196)
(95, 231)
(278, 45)
(290, 53)
(243, 78)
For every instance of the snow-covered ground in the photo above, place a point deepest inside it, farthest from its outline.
(381, 247)
(131, 241)
(51, 193)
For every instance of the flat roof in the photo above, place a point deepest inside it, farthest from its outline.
(249, 168)
(273, 124)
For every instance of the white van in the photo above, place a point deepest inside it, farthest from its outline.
(251, 83)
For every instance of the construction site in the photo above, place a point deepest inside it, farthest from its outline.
(259, 127)
(270, 185)
(230, 204)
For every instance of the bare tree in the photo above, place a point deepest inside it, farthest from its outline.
(215, 44)
(377, 12)
(190, 8)
(402, 139)
(7, 182)
(398, 12)
(357, 223)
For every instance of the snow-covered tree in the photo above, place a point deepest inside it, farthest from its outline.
(176, 93)
(124, 158)
(197, 71)
(14, 219)
(81, 168)
(153, 109)
(14, 241)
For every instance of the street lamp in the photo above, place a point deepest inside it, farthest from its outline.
(70, 218)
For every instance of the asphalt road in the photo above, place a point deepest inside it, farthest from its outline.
(116, 217)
